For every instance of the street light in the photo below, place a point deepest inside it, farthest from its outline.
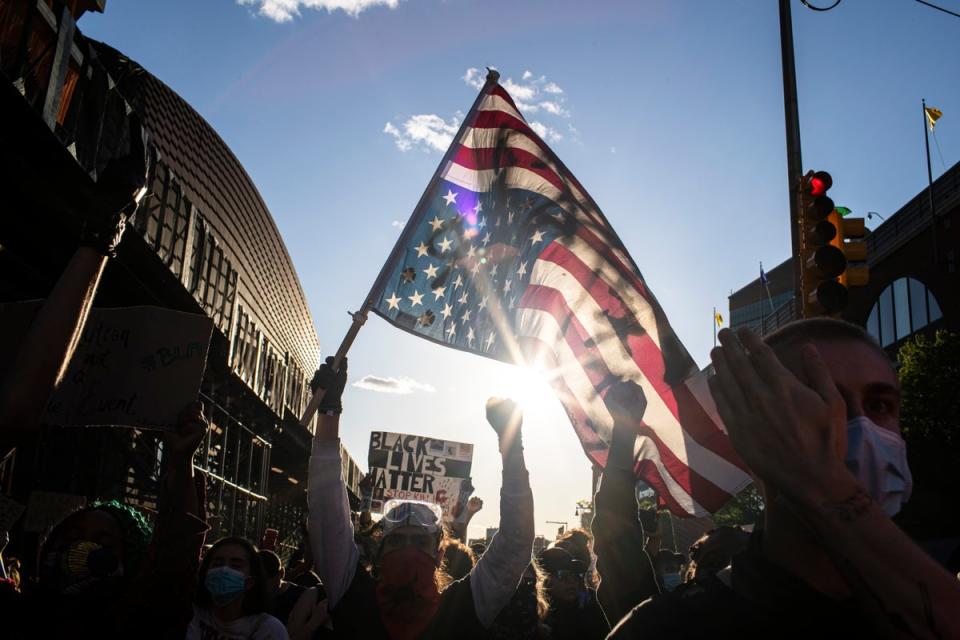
(870, 215)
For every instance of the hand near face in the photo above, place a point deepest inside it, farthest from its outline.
(789, 429)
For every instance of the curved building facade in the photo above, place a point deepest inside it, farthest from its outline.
(203, 241)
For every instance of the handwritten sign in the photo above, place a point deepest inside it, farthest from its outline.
(46, 508)
(134, 366)
(409, 467)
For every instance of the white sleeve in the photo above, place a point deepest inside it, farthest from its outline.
(335, 554)
(498, 571)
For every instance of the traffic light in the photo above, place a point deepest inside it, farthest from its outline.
(829, 243)
(849, 239)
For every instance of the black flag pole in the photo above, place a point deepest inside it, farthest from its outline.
(360, 316)
(933, 214)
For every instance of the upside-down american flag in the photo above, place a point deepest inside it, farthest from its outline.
(508, 257)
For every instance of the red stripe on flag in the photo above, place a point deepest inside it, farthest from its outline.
(647, 470)
(497, 90)
(496, 159)
(647, 356)
(552, 301)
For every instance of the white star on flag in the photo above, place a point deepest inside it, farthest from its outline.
(451, 197)
(415, 298)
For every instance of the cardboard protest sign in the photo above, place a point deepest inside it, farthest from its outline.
(409, 467)
(46, 508)
(133, 367)
(10, 511)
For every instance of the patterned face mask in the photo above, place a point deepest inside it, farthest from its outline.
(81, 566)
(878, 458)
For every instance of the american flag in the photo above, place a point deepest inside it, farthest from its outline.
(508, 257)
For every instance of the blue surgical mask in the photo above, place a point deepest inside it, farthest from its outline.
(878, 458)
(225, 585)
(671, 581)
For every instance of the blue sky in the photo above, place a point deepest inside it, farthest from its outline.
(669, 113)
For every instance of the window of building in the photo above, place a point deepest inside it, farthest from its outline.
(903, 308)
(164, 217)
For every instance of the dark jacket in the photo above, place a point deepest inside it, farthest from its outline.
(753, 598)
(627, 577)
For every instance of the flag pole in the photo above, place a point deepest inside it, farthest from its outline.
(713, 325)
(933, 216)
(360, 317)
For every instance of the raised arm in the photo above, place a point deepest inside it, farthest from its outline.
(335, 554)
(47, 348)
(498, 571)
(626, 574)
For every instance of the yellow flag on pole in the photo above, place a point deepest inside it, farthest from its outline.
(718, 318)
(933, 114)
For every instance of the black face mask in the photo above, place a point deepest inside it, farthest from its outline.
(80, 567)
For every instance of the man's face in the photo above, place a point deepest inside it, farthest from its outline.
(863, 376)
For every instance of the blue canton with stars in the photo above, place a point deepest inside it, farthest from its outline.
(462, 272)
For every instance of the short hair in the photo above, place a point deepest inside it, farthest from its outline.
(271, 563)
(255, 600)
(821, 330)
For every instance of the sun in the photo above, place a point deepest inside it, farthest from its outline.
(527, 386)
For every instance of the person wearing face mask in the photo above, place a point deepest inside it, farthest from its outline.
(814, 413)
(104, 572)
(231, 598)
(574, 611)
(402, 598)
(668, 566)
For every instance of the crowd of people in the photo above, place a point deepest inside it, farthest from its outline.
(812, 410)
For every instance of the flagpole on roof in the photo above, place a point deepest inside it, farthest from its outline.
(360, 316)
(933, 216)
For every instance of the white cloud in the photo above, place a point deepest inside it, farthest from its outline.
(401, 386)
(532, 94)
(613, 149)
(474, 78)
(426, 130)
(524, 92)
(396, 224)
(548, 134)
(287, 10)
(553, 107)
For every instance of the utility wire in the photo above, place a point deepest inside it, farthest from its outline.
(931, 5)
(807, 4)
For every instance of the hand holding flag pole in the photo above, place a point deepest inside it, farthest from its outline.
(360, 317)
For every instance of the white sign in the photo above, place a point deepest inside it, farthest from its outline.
(134, 366)
(408, 467)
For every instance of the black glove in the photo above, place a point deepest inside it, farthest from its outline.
(333, 382)
(119, 189)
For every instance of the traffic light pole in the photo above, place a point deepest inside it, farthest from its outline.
(794, 160)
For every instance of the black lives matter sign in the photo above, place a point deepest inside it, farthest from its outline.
(410, 467)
